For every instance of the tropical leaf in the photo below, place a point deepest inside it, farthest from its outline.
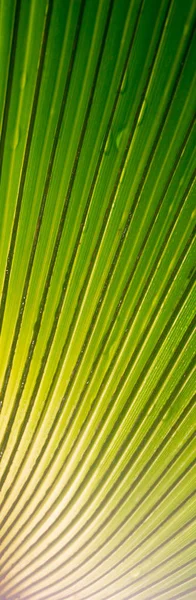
(97, 159)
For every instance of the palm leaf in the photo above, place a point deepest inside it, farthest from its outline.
(97, 299)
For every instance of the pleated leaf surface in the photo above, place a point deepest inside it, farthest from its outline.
(97, 299)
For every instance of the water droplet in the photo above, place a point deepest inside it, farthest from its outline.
(125, 216)
(142, 112)
(119, 138)
(135, 573)
(108, 144)
(23, 80)
(181, 181)
(46, 9)
(124, 83)
(186, 30)
(166, 416)
(170, 208)
(154, 301)
(16, 137)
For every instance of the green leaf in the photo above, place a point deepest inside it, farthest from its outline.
(97, 299)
